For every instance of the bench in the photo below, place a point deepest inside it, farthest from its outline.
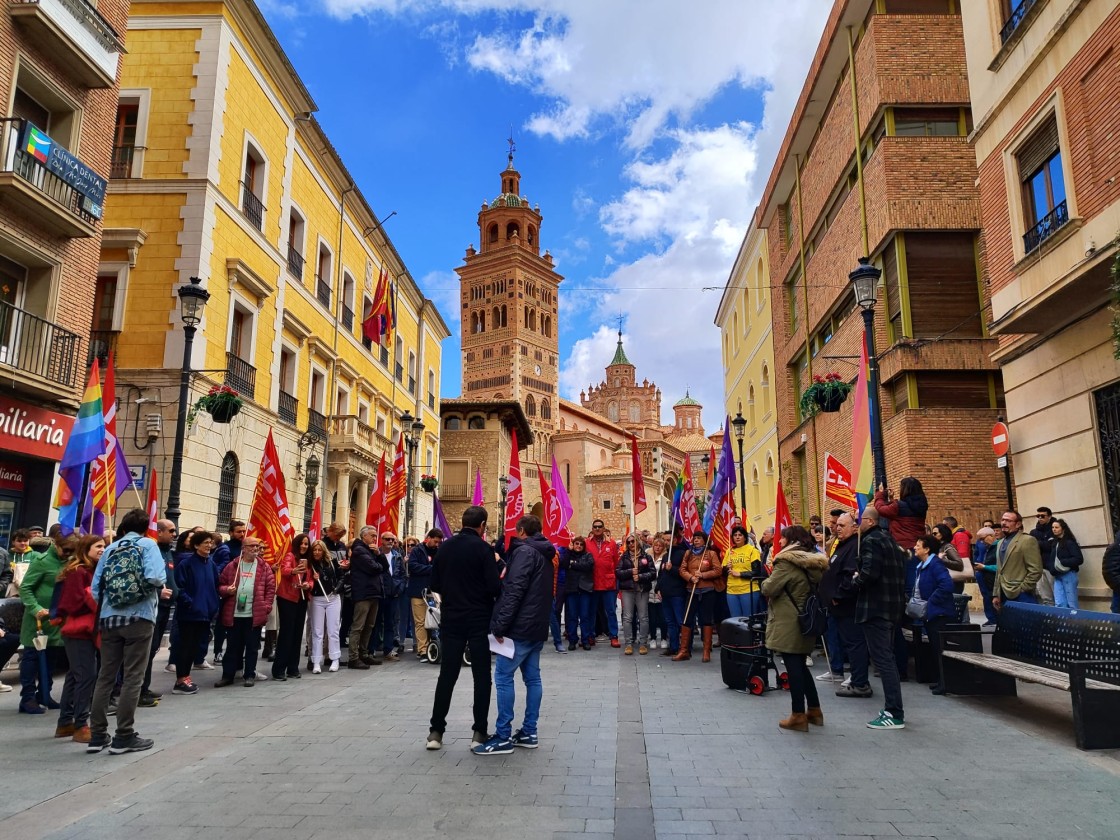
(1072, 650)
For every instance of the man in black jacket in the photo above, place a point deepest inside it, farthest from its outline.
(465, 576)
(420, 565)
(521, 615)
(881, 581)
(838, 590)
(366, 590)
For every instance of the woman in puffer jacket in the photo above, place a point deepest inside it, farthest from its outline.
(77, 609)
(797, 567)
(579, 589)
(247, 587)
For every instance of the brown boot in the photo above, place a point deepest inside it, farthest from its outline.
(707, 633)
(815, 716)
(686, 642)
(797, 721)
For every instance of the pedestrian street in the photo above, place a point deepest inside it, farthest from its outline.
(630, 747)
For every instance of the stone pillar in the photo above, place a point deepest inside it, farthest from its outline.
(342, 491)
(363, 503)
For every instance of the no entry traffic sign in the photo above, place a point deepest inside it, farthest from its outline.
(1000, 441)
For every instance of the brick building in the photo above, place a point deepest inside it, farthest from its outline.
(1044, 78)
(876, 162)
(59, 62)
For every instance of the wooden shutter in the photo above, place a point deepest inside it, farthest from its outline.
(1039, 149)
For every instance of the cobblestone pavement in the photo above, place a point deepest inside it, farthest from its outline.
(631, 747)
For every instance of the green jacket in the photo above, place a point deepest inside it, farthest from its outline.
(787, 586)
(35, 592)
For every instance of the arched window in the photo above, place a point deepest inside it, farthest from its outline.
(765, 390)
(612, 411)
(769, 463)
(735, 329)
(496, 318)
(755, 491)
(531, 232)
(546, 325)
(750, 407)
(530, 406)
(476, 422)
(503, 315)
(227, 491)
(493, 232)
(512, 230)
(453, 424)
(532, 319)
(546, 409)
(635, 412)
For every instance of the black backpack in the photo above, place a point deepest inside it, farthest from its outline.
(812, 617)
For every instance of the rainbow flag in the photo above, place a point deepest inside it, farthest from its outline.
(38, 144)
(85, 445)
(863, 473)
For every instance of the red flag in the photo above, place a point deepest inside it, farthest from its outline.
(514, 503)
(838, 482)
(109, 475)
(375, 327)
(268, 518)
(552, 523)
(782, 519)
(689, 516)
(377, 497)
(153, 506)
(721, 524)
(315, 529)
(396, 488)
(636, 477)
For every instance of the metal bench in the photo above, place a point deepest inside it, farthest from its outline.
(1072, 650)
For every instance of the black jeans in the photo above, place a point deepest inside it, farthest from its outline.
(702, 607)
(802, 686)
(879, 634)
(450, 665)
(243, 641)
(933, 630)
(191, 634)
(851, 636)
(163, 617)
(293, 615)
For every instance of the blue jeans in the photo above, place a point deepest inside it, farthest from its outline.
(1065, 590)
(580, 609)
(834, 647)
(1024, 598)
(855, 644)
(673, 607)
(985, 583)
(608, 599)
(749, 603)
(527, 659)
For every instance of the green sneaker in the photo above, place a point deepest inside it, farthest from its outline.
(886, 721)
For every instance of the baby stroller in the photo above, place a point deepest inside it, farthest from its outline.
(431, 624)
(745, 661)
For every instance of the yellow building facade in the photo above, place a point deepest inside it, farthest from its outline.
(747, 342)
(221, 172)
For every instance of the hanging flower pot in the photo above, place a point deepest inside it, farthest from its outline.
(429, 483)
(827, 393)
(222, 403)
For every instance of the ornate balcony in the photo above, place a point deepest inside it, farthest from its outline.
(74, 35)
(347, 317)
(241, 376)
(41, 183)
(295, 262)
(287, 407)
(316, 422)
(252, 208)
(101, 342)
(1015, 20)
(43, 353)
(1047, 226)
(323, 291)
(121, 165)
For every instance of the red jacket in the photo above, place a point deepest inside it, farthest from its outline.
(605, 554)
(77, 606)
(264, 590)
(288, 580)
(962, 542)
(907, 517)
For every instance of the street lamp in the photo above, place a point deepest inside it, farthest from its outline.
(739, 422)
(192, 300)
(311, 477)
(413, 428)
(503, 483)
(865, 287)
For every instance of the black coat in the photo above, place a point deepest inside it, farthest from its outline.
(669, 581)
(419, 570)
(1068, 552)
(837, 588)
(625, 572)
(465, 574)
(579, 571)
(366, 566)
(525, 605)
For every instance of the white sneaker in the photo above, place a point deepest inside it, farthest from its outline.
(169, 668)
(4, 688)
(828, 676)
(316, 669)
(847, 682)
(809, 661)
(261, 676)
(205, 666)
(334, 665)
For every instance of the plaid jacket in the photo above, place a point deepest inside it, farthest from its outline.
(882, 577)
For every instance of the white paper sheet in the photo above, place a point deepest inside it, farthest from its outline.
(503, 648)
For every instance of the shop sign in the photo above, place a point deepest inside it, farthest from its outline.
(11, 477)
(54, 158)
(30, 430)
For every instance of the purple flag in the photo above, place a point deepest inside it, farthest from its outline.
(476, 499)
(439, 518)
(561, 495)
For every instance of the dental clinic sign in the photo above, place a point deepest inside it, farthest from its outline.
(37, 144)
(29, 430)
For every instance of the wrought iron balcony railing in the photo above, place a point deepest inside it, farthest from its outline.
(286, 408)
(38, 347)
(347, 317)
(251, 206)
(323, 291)
(316, 422)
(295, 262)
(100, 343)
(241, 376)
(1047, 226)
(1015, 19)
(121, 165)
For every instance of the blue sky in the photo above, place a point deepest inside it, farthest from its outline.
(645, 130)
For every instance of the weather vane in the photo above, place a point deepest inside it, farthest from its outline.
(512, 145)
(620, 325)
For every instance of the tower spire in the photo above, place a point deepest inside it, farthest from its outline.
(512, 146)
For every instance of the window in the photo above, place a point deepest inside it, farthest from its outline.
(252, 186)
(398, 364)
(793, 302)
(1015, 13)
(799, 370)
(452, 424)
(958, 389)
(227, 491)
(606, 504)
(124, 139)
(512, 230)
(530, 406)
(380, 425)
(635, 412)
(367, 309)
(342, 402)
(40, 103)
(918, 7)
(296, 227)
(476, 422)
(493, 233)
(287, 404)
(323, 273)
(943, 285)
(318, 388)
(1043, 185)
(892, 281)
(347, 301)
(546, 409)
(431, 389)
(765, 391)
(927, 122)
(411, 372)
(612, 411)
(750, 407)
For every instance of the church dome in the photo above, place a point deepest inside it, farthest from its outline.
(685, 400)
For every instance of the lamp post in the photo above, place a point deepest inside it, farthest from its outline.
(192, 300)
(311, 476)
(413, 433)
(739, 422)
(503, 483)
(865, 287)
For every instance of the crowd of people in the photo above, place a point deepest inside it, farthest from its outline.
(108, 604)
